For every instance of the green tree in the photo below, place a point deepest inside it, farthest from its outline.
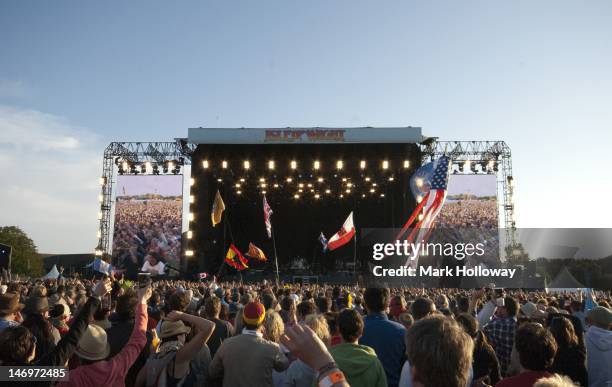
(25, 259)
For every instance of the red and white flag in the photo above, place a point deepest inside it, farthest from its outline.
(342, 237)
(267, 212)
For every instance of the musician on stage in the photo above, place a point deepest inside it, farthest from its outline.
(153, 264)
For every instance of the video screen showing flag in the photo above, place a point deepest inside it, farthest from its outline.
(471, 202)
(148, 218)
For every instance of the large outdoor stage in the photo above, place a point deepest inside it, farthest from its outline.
(312, 181)
(151, 201)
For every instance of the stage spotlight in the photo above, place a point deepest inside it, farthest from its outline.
(317, 165)
(296, 196)
(348, 191)
(275, 185)
(102, 180)
(312, 190)
(98, 253)
(99, 234)
(362, 164)
(237, 185)
(189, 234)
(191, 216)
(317, 196)
(406, 164)
(301, 185)
(385, 164)
(363, 195)
(382, 195)
(100, 215)
(339, 164)
(170, 165)
(327, 191)
(264, 192)
(242, 179)
(466, 165)
(300, 190)
(391, 178)
(367, 179)
(261, 180)
(263, 185)
(293, 164)
(309, 185)
(191, 199)
(238, 192)
(372, 190)
(341, 196)
(374, 184)
(219, 180)
(100, 198)
(247, 165)
(419, 182)
(289, 180)
(192, 181)
(205, 164)
(224, 164)
(125, 165)
(189, 253)
(320, 180)
(349, 184)
(344, 179)
(271, 164)
(145, 167)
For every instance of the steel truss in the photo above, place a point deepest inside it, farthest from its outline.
(478, 152)
(155, 153)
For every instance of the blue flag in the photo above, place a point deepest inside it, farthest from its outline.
(323, 241)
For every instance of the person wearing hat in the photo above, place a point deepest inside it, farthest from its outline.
(598, 341)
(171, 364)
(37, 321)
(248, 359)
(19, 346)
(92, 368)
(10, 310)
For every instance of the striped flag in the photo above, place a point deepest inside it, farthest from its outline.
(102, 266)
(429, 184)
(256, 253)
(217, 209)
(235, 259)
(342, 237)
(267, 212)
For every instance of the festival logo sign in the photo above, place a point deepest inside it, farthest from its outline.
(304, 135)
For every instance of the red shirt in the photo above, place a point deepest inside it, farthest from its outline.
(524, 379)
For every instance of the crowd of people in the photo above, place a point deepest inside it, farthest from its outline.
(481, 214)
(112, 332)
(143, 226)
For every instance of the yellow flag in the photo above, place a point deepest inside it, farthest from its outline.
(217, 209)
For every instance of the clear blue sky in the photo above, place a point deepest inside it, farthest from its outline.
(76, 75)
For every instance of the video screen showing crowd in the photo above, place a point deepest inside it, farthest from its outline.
(148, 224)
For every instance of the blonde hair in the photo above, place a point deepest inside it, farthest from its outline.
(273, 326)
(555, 380)
(238, 323)
(318, 324)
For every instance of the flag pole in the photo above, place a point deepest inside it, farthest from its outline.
(275, 256)
(354, 253)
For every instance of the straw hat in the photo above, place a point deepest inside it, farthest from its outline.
(529, 309)
(600, 315)
(9, 303)
(93, 345)
(173, 328)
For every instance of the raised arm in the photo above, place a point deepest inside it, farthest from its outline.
(66, 346)
(203, 329)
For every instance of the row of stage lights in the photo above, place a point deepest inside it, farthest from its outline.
(170, 166)
(293, 164)
(468, 166)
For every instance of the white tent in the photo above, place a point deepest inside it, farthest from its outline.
(564, 282)
(52, 274)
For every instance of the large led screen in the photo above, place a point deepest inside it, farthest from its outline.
(471, 202)
(148, 218)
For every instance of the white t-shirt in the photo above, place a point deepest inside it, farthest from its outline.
(148, 268)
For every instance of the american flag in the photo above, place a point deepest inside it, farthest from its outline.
(267, 212)
(429, 184)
